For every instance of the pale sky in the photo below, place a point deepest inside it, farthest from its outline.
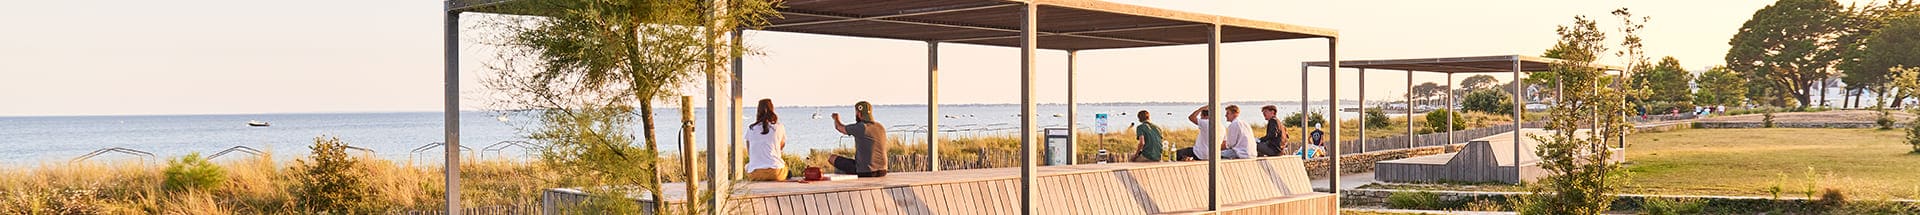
(117, 57)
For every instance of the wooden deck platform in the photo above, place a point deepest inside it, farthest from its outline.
(1274, 184)
(1488, 159)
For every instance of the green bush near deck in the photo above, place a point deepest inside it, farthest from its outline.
(192, 172)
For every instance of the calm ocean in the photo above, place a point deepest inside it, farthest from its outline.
(54, 139)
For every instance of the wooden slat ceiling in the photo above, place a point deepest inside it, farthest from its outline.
(1481, 64)
(1063, 24)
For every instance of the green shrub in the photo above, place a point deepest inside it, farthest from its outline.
(1913, 136)
(1885, 121)
(330, 181)
(1377, 118)
(1766, 118)
(1420, 200)
(192, 172)
(1294, 119)
(1437, 120)
(1671, 206)
(1489, 101)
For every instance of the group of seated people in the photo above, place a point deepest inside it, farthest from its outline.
(766, 138)
(1239, 142)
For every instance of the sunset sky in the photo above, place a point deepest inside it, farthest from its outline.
(102, 57)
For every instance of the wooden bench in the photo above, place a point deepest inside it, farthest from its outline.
(1272, 183)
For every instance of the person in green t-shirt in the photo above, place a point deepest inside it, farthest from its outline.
(1149, 136)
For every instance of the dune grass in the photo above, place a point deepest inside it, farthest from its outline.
(1753, 162)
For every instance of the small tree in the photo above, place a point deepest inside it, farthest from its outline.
(1489, 101)
(330, 181)
(1437, 120)
(192, 172)
(1377, 118)
(1581, 179)
(1294, 119)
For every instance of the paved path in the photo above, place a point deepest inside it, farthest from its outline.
(1348, 181)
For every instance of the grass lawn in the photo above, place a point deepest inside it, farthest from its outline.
(1863, 163)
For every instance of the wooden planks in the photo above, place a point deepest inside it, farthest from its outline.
(1121, 188)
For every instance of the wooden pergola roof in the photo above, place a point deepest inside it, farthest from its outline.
(1480, 64)
(1063, 24)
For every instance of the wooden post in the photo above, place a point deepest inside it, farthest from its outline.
(686, 154)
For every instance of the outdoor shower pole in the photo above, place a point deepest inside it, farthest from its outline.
(1214, 134)
(451, 112)
(933, 106)
(1029, 29)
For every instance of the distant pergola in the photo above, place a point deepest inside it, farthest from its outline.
(1515, 64)
(1067, 25)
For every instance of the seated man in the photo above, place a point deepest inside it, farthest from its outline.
(1238, 143)
(1201, 141)
(869, 143)
(1149, 136)
(1275, 142)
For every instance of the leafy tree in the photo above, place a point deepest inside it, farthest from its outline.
(1437, 121)
(192, 172)
(1860, 23)
(1785, 48)
(588, 64)
(329, 181)
(1377, 118)
(1665, 82)
(1896, 45)
(1477, 82)
(1720, 86)
(1489, 101)
(1580, 180)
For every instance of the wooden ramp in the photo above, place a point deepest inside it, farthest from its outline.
(1261, 186)
(1488, 159)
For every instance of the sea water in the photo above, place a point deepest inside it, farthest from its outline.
(402, 136)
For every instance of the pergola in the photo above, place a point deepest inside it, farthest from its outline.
(1515, 64)
(1030, 25)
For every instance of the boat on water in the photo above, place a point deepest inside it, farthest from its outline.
(257, 123)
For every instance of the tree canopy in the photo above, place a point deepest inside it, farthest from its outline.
(1666, 81)
(1785, 48)
(1721, 86)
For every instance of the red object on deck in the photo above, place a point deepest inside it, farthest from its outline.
(813, 174)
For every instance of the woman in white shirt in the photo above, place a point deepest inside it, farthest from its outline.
(766, 138)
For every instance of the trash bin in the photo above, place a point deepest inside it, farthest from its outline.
(1056, 142)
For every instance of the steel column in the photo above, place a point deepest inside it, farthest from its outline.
(1304, 100)
(1519, 106)
(718, 85)
(735, 150)
(933, 106)
(451, 111)
(1450, 110)
(1029, 27)
(1409, 109)
(1214, 116)
(1073, 132)
(1333, 122)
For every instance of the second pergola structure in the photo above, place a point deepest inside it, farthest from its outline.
(1514, 64)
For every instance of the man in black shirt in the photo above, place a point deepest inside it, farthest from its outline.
(1274, 143)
